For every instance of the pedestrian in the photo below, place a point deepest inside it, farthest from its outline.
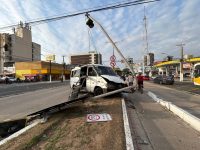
(130, 79)
(140, 80)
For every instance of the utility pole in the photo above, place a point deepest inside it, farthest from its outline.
(63, 73)
(50, 71)
(146, 33)
(146, 46)
(181, 61)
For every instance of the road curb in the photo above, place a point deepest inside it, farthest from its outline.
(129, 142)
(187, 117)
(16, 134)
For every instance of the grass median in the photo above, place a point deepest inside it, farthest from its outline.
(69, 130)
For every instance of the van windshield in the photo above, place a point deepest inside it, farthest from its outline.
(102, 70)
(75, 73)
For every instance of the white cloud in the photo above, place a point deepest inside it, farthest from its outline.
(169, 23)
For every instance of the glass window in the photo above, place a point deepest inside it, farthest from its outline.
(76, 73)
(197, 71)
(102, 70)
(91, 72)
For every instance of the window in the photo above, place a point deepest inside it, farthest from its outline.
(102, 70)
(76, 73)
(91, 72)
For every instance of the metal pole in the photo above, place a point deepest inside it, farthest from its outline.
(146, 38)
(143, 68)
(113, 43)
(63, 74)
(181, 62)
(50, 71)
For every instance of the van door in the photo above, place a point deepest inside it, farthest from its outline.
(74, 78)
(91, 79)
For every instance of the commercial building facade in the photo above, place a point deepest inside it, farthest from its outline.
(40, 70)
(18, 47)
(89, 58)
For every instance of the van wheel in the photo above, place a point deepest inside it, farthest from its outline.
(98, 91)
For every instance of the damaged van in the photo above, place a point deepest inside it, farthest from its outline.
(96, 79)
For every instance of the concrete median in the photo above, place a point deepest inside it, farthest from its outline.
(187, 117)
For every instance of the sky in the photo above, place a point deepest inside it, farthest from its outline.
(169, 22)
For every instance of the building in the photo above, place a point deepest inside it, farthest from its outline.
(89, 58)
(40, 70)
(150, 59)
(18, 47)
(145, 60)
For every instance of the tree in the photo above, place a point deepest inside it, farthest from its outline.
(126, 71)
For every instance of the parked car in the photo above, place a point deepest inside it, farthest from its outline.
(12, 79)
(2, 80)
(162, 79)
(146, 78)
(5, 80)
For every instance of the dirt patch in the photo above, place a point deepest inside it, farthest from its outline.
(69, 129)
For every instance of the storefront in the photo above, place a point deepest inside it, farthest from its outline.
(40, 71)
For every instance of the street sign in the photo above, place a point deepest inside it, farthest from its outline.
(98, 117)
(112, 61)
(112, 58)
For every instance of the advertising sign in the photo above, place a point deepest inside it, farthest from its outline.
(50, 57)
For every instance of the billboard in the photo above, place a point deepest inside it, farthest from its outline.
(50, 57)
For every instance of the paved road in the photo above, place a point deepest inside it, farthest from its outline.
(155, 128)
(187, 86)
(19, 88)
(17, 106)
(184, 100)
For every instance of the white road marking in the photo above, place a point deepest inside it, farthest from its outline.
(129, 142)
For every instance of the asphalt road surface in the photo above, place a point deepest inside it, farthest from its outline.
(19, 88)
(155, 128)
(31, 99)
(182, 99)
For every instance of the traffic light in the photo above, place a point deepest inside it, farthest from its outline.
(90, 23)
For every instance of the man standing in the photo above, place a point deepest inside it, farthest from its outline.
(130, 79)
(140, 82)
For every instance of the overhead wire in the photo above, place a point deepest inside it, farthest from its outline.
(100, 8)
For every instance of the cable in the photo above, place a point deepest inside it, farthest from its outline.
(100, 8)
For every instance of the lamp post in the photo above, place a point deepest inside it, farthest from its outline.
(181, 61)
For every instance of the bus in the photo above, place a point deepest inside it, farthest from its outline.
(196, 74)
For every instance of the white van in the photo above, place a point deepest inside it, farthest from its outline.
(95, 78)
